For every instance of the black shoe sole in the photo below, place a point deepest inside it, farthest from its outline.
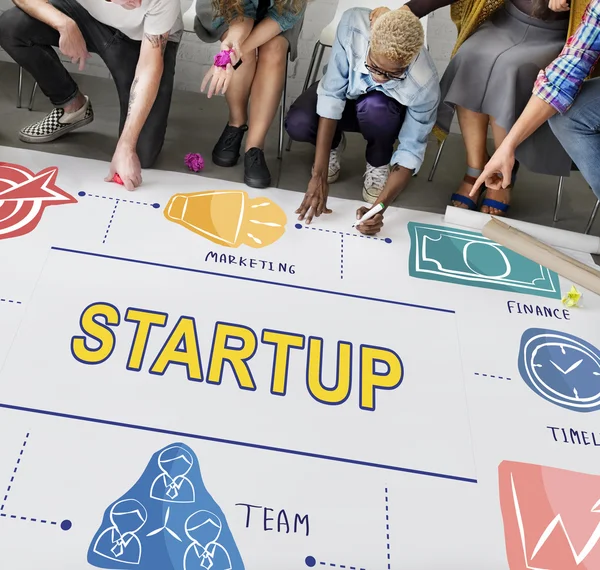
(225, 162)
(257, 182)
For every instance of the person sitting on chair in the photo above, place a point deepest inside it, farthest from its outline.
(261, 33)
(382, 83)
(138, 44)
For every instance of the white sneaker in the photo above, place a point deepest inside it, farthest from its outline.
(334, 161)
(375, 179)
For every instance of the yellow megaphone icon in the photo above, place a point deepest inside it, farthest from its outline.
(228, 217)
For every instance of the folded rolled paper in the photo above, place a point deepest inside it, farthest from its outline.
(228, 217)
(547, 256)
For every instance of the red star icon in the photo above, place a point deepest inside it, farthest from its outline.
(24, 197)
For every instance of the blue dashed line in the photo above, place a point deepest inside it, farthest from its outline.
(387, 528)
(10, 301)
(342, 256)
(110, 221)
(300, 226)
(492, 376)
(155, 205)
(14, 473)
(28, 519)
(311, 562)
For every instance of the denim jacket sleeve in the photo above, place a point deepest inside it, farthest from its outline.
(286, 19)
(333, 87)
(250, 9)
(416, 128)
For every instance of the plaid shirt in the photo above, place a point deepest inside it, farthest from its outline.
(560, 83)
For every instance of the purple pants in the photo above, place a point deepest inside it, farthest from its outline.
(374, 115)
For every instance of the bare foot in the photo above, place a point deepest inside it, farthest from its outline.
(502, 195)
(463, 190)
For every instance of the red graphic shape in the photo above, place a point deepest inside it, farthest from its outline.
(551, 517)
(24, 196)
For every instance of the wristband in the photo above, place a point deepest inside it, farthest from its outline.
(237, 64)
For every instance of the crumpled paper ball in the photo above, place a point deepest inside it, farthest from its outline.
(223, 58)
(194, 161)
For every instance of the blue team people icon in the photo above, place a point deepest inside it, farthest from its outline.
(167, 520)
(172, 485)
(205, 552)
(561, 368)
(120, 542)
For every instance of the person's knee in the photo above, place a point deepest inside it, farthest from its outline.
(14, 25)
(377, 110)
(297, 124)
(148, 155)
(274, 52)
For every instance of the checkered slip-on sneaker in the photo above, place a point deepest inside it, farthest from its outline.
(57, 123)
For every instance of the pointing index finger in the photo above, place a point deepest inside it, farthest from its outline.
(478, 184)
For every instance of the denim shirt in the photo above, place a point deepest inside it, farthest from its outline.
(286, 20)
(348, 78)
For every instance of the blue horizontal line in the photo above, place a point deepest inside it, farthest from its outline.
(238, 443)
(253, 280)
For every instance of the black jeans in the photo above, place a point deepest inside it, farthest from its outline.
(29, 42)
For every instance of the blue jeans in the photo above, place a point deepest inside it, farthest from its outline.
(578, 131)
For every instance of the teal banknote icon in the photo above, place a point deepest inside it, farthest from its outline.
(468, 258)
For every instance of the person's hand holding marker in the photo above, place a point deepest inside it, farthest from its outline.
(370, 220)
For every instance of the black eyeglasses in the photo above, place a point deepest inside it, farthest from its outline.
(399, 75)
(389, 76)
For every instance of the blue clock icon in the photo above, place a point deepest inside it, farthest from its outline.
(561, 368)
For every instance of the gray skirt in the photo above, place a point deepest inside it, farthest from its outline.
(493, 72)
(203, 26)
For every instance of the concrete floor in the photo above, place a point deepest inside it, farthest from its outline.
(196, 122)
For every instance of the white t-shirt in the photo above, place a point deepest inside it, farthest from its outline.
(154, 17)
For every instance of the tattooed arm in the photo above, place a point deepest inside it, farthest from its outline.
(144, 87)
(142, 95)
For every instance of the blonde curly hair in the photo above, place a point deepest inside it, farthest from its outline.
(233, 9)
(398, 36)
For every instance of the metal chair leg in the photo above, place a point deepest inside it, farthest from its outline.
(592, 217)
(318, 64)
(437, 160)
(309, 74)
(282, 113)
(559, 194)
(33, 91)
(19, 87)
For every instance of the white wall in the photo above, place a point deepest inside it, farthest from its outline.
(194, 56)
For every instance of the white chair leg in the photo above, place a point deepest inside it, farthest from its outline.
(33, 91)
(19, 87)
(559, 194)
(309, 74)
(592, 217)
(282, 113)
(437, 160)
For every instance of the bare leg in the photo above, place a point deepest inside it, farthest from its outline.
(474, 127)
(266, 90)
(238, 92)
(502, 195)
